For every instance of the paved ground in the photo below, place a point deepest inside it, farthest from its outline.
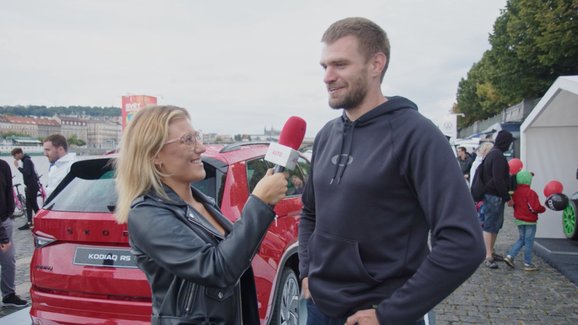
(506, 296)
(501, 296)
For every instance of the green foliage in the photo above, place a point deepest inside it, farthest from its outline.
(75, 141)
(43, 111)
(533, 43)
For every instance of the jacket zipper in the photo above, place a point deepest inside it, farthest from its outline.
(189, 297)
(210, 231)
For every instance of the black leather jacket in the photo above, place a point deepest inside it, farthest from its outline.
(197, 276)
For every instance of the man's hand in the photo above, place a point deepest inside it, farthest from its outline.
(305, 289)
(363, 317)
(510, 203)
(16, 163)
(4, 247)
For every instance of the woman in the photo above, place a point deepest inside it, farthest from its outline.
(196, 262)
(481, 153)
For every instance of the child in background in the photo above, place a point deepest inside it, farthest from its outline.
(526, 208)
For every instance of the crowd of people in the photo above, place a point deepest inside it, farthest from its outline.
(56, 150)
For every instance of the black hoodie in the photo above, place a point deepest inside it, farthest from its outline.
(377, 186)
(28, 172)
(496, 170)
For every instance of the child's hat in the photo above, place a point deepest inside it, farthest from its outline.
(524, 177)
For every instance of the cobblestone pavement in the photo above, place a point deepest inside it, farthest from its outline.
(24, 244)
(502, 296)
(512, 296)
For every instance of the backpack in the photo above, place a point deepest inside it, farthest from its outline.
(478, 187)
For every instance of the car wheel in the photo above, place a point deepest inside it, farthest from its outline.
(286, 310)
(569, 220)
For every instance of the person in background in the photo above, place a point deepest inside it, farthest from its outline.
(56, 150)
(465, 161)
(526, 208)
(297, 183)
(7, 249)
(197, 263)
(30, 179)
(383, 176)
(481, 152)
(496, 176)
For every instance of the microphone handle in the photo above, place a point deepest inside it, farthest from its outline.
(278, 169)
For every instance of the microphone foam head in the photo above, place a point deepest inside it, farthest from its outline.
(293, 132)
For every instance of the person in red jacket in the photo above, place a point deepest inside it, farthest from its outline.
(526, 208)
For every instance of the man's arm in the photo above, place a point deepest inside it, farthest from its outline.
(27, 168)
(457, 246)
(498, 170)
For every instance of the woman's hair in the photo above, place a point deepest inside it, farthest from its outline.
(485, 147)
(141, 141)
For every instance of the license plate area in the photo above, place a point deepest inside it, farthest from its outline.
(104, 257)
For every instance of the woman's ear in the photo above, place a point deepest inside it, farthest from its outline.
(157, 162)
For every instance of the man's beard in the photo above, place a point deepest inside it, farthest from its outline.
(352, 99)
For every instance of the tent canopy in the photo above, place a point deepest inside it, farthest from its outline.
(549, 147)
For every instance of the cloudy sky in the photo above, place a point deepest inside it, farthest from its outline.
(238, 66)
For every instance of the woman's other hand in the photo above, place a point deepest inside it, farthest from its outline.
(271, 188)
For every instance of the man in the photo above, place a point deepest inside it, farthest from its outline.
(382, 177)
(56, 150)
(465, 161)
(7, 250)
(30, 181)
(496, 177)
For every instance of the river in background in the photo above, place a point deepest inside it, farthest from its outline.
(40, 163)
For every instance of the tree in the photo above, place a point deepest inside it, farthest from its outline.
(74, 140)
(533, 43)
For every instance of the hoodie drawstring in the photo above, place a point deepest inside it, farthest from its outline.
(346, 141)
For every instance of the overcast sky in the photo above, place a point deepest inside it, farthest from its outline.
(238, 66)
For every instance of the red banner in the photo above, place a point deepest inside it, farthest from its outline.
(132, 104)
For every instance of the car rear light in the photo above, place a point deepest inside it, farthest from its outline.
(41, 241)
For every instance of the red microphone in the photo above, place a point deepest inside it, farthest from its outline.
(284, 154)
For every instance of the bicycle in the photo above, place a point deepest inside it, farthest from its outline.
(19, 202)
(41, 191)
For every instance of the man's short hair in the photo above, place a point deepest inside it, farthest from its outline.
(16, 151)
(58, 140)
(372, 38)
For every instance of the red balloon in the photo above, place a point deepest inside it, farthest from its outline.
(553, 187)
(515, 165)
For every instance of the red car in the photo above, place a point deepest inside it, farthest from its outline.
(82, 271)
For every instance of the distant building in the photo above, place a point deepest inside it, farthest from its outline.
(70, 126)
(46, 127)
(102, 134)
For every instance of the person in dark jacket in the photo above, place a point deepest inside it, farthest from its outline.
(496, 176)
(465, 160)
(30, 179)
(6, 200)
(383, 176)
(197, 263)
(7, 249)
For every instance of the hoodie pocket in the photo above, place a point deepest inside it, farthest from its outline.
(337, 260)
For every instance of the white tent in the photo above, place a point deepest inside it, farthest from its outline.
(549, 147)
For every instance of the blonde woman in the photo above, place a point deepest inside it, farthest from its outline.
(197, 263)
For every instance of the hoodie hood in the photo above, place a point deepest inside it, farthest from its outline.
(503, 140)
(392, 104)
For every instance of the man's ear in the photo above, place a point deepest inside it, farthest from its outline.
(378, 62)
